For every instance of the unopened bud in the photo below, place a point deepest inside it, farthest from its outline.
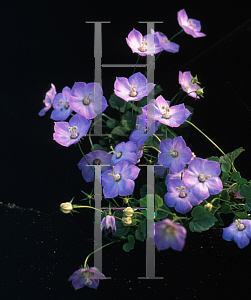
(128, 212)
(126, 221)
(66, 207)
(208, 206)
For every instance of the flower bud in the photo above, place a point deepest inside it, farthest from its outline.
(126, 221)
(208, 206)
(128, 212)
(66, 207)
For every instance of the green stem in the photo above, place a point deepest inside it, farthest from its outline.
(152, 147)
(212, 143)
(136, 63)
(85, 158)
(107, 116)
(96, 251)
(157, 137)
(176, 96)
(170, 132)
(176, 34)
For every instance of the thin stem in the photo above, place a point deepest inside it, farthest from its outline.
(136, 63)
(176, 34)
(157, 137)
(152, 147)
(212, 143)
(96, 251)
(170, 132)
(85, 158)
(176, 96)
(107, 116)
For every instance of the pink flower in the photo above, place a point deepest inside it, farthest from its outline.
(168, 234)
(86, 277)
(190, 26)
(48, 101)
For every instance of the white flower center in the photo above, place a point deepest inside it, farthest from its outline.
(73, 132)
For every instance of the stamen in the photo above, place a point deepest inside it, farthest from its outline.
(174, 153)
(97, 161)
(133, 92)
(143, 47)
(170, 232)
(191, 23)
(166, 113)
(182, 193)
(87, 100)
(86, 275)
(203, 178)
(240, 225)
(116, 176)
(73, 132)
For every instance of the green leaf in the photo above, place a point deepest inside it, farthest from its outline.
(247, 206)
(246, 191)
(241, 214)
(213, 158)
(139, 235)
(202, 219)
(225, 195)
(231, 155)
(225, 167)
(224, 177)
(158, 201)
(130, 244)
(162, 212)
(242, 181)
(118, 103)
(225, 208)
(235, 176)
(111, 123)
(128, 120)
(119, 130)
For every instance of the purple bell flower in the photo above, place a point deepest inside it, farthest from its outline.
(97, 157)
(86, 277)
(174, 154)
(190, 26)
(119, 181)
(189, 84)
(159, 170)
(202, 178)
(162, 41)
(133, 89)
(140, 135)
(82, 99)
(61, 105)
(167, 234)
(48, 100)
(180, 197)
(239, 231)
(172, 116)
(142, 45)
(108, 224)
(70, 133)
(125, 151)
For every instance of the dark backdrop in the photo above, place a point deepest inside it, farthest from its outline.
(44, 42)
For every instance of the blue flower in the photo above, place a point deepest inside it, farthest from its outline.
(202, 177)
(180, 197)
(86, 277)
(108, 224)
(140, 135)
(119, 181)
(143, 45)
(239, 231)
(61, 105)
(168, 234)
(162, 41)
(174, 154)
(134, 88)
(70, 133)
(190, 26)
(82, 99)
(125, 151)
(97, 157)
(172, 116)
(48, 100)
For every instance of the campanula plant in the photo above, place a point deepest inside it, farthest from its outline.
(191, 193)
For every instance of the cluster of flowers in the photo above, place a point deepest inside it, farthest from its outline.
(190, 179)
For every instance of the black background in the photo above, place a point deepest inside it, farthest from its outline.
(44, 42)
